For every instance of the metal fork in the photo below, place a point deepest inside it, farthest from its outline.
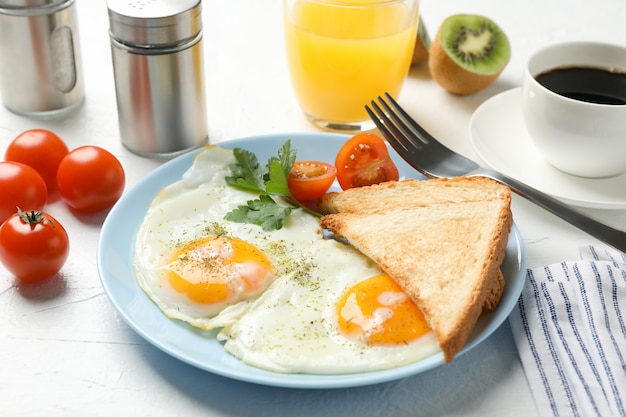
(433, 159)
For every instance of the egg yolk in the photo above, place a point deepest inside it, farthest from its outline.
(220, 269)
(377, 312)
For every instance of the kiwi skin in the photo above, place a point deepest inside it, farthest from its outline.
(459, 77)
(422, 44)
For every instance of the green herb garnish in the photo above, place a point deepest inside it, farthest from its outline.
(275, 202)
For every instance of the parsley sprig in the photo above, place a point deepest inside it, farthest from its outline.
(275, 202)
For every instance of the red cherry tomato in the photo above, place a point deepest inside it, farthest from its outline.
(20, 186)
(40, 149)
(308, 180)
(90, 178)
(364, 160)
(33, 245)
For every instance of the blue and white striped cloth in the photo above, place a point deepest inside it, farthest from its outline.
(570, 330)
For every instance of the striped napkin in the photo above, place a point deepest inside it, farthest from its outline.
(570, 330)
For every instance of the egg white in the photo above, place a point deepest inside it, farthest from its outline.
(291, 327)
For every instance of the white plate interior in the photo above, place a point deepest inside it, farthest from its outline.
(501, 140)
(115, 252)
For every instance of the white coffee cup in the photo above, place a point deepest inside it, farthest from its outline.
(579, 137)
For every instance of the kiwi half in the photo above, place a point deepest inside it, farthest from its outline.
(468, 53)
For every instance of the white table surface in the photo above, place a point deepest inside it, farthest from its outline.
(64, 350)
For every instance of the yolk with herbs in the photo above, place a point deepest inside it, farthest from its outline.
(213, 270)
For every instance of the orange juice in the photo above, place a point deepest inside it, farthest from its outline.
(342, 55)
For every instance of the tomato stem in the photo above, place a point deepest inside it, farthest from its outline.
(32, 218)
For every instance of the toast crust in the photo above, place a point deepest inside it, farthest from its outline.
(410, 193)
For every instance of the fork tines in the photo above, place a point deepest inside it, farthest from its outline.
(394, 123)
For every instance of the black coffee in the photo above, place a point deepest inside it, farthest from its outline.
(594, 85)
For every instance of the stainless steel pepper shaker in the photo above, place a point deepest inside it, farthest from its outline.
(40, 63)
(156, 47)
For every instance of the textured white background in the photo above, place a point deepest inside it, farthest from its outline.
(63, 349)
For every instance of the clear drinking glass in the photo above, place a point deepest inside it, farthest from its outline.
(344, 53)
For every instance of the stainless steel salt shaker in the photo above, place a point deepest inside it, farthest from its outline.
(40, 62)
(156, 47)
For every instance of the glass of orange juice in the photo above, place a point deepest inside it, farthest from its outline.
(344, 53)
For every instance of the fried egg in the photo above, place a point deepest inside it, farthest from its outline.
(342, 315)
(192, 263)
(288, 300)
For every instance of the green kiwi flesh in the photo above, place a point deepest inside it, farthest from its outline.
(475, 43)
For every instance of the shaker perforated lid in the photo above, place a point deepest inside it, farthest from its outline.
(154, 23)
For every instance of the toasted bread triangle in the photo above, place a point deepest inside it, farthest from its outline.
(411, 193)
(445, 256)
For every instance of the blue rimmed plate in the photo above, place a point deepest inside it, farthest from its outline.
(115, 266)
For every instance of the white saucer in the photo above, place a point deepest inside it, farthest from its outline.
(500, 139)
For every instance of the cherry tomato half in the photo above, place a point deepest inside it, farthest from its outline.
(364, 160)
(39, 149)
(20, 186)
(90, 178)
(33, 245)
(309, 180)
